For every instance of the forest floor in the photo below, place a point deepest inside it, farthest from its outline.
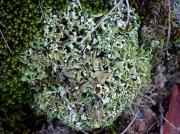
(149, 111)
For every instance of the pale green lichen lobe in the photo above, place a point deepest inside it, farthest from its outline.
(86, 85)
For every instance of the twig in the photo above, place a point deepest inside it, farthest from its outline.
(151, 127)
(102, 20)
(128, 12)
(169, 123)
(5, 41)
(176, 128)
(79, 4)
(84, 132)
(130, 123)
(43, 16)
(6, 115)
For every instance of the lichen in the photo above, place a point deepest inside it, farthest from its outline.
(86, 85)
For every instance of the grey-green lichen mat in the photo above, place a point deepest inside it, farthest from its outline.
(86, 85)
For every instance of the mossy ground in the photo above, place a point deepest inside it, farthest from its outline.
(12, 90)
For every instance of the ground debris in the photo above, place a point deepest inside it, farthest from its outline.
(144, 122)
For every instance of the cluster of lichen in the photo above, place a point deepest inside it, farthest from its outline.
(86, 85)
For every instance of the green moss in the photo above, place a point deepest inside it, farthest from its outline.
(58, 5)
(20, 23)
(97, 6)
